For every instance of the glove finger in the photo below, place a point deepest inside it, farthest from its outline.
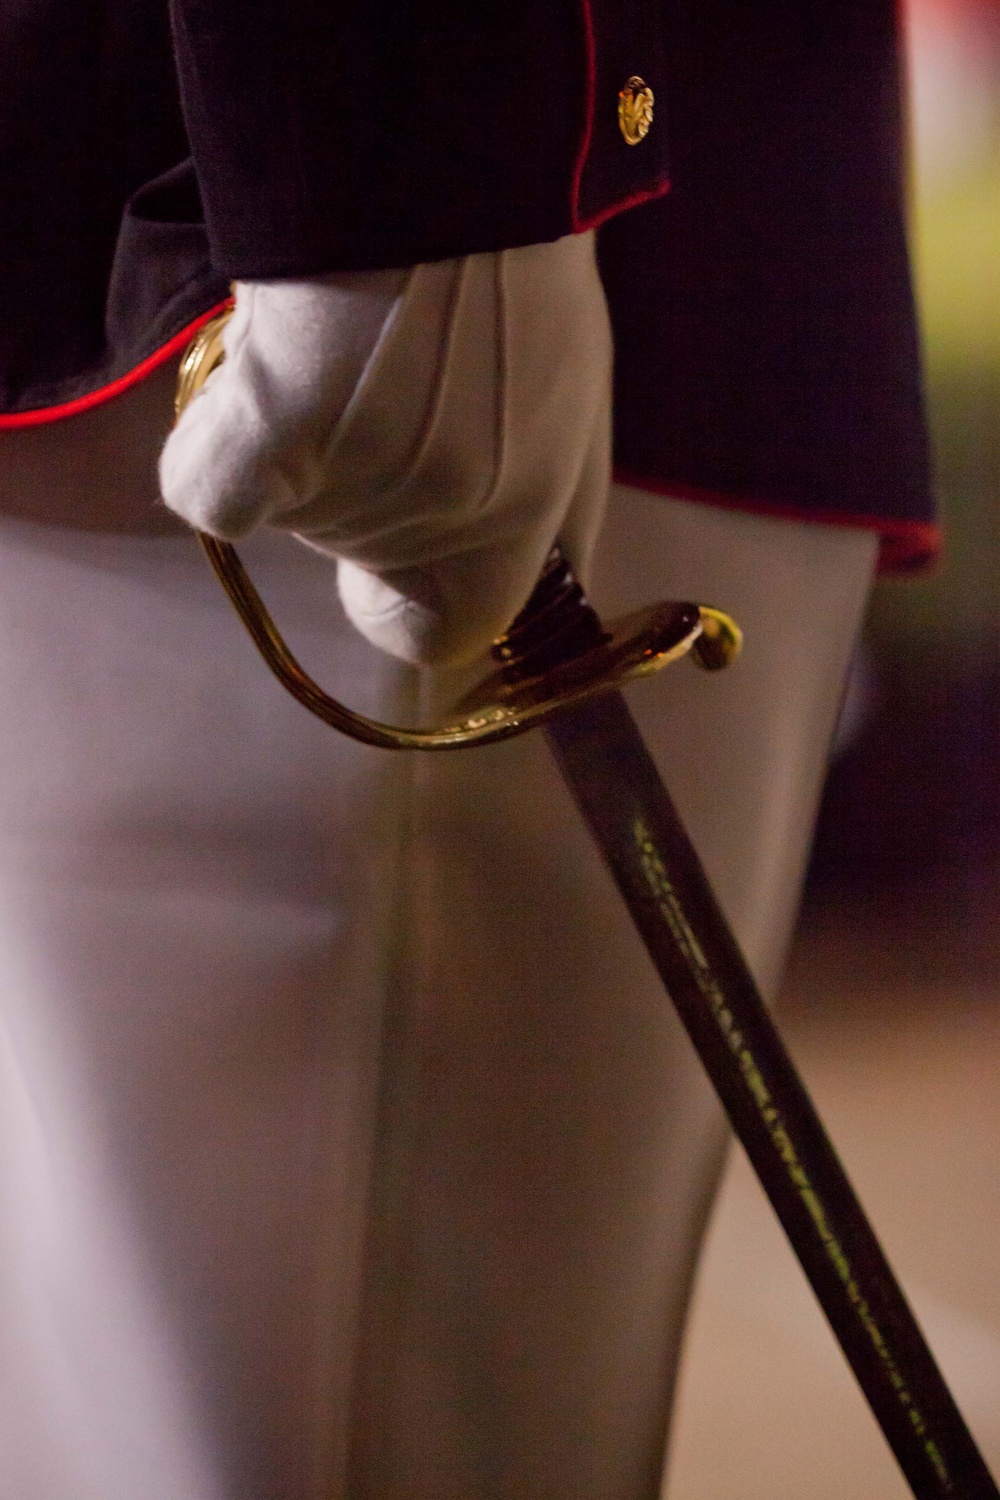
(448, 612)
(217, 470)
(212, 478)
(445, 614)
(250, 446)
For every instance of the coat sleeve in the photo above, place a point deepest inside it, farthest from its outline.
(386, 132)
(325, 135)
(767, 351)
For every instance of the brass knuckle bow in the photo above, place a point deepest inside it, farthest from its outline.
(554, 654)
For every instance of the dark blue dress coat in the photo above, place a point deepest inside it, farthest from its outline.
(752, 242)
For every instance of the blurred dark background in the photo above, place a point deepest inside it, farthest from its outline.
(890, 1002)
(911, 817)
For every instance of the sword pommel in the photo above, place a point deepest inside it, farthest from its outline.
(720, 642)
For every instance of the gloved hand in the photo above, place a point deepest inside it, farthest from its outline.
(434, 430)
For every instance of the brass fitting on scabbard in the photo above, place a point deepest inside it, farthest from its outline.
(555, 653)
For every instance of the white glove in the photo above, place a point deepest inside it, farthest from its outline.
(434, 430)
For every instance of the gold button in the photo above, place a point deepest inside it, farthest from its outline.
(635, 110)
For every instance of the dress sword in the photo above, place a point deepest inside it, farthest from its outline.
(560, 668)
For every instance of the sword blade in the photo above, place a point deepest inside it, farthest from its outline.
(618, 789)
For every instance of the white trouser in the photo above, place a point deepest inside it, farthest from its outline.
(348, 1144)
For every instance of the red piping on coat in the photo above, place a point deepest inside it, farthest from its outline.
(904, 545)
(590, 46)
(124, 382)
(658, 189)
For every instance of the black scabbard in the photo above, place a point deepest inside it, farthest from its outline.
(619, 792)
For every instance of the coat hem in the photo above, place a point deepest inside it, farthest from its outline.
(38, 416)
(904, 545)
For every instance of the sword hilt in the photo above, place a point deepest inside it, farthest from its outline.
(555, 653)
(559, 623)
